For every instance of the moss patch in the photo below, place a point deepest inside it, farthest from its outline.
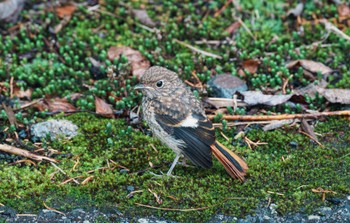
(289, 164)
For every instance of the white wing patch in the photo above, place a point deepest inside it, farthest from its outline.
(190, 122)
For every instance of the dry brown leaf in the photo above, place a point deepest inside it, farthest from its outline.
(75, 96)
(333, 95)
(341, 96)
(66, 10)
(233, 27)
(257, 97)
(343, 11)
(139, 64)
(142, 15)
(310, 66)
(251, 65)
(27, 94)
(10, 114)
(311, 89)
(102, 108)
(308, 129)
(55, 105)
(59, 104)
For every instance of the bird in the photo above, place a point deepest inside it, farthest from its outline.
(177, 118)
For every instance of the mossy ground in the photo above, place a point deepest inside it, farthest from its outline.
(57, 65)
(290, 164)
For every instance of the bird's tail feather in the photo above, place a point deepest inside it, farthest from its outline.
(233, 164)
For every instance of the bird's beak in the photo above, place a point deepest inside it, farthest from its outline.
(139, 86)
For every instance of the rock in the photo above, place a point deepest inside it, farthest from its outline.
(54, 129)
(313, 218)
(7, 212)
(47, 214)
(226, 85)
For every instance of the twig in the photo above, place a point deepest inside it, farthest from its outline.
(230, 124)
(28, 104)
(24, 153)
(245, 27)
(11, 87)
(26, 215)
(313, 138)
(54, 210)
(198, 50)
(332, 28)
(222, 9)
(62, 171)
(271, 192)
(189, 209)
(280, 117)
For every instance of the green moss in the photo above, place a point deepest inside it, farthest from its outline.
(278, 167)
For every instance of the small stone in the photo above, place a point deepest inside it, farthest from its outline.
(54, 129)
(325, 211)
(226, 85)
(45, 213)
(314, 217)
(130, 188)
(143, 220)
(293, 144)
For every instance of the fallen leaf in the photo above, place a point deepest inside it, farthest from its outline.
(333, 95)
(74, 96)
(233, 27)
(278, 124)
(308, 129)
(55, 105)
(10, 114)
(142, 15)
(343, 10)
(297, 10)
(102, 108)
(224, 102)
(341, 96)
(27, 94)
(311, 89)
(139, 64)
(257, 97)
(10, 9)
(251, 65)
(65, 10)
(310, 66)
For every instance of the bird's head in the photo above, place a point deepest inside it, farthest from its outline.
(158, 81)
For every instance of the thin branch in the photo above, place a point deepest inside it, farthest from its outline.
(205, 53)
(25, 153)
(62, 171)
(280, 117)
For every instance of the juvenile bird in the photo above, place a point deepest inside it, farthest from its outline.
(177, 118)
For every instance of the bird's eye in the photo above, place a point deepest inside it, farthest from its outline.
(160, 84)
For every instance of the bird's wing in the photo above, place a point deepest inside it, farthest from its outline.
(183, 122)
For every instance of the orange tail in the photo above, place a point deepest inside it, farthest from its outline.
(233, 164)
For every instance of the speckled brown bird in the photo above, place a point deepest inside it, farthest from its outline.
(177, 118)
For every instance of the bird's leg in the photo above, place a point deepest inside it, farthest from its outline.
(174, 164)
(184, 162)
